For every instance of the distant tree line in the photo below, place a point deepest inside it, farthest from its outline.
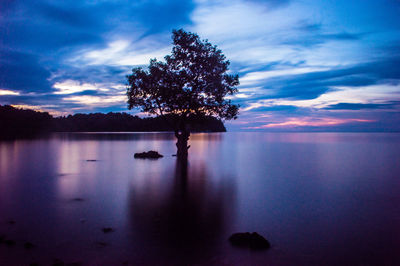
(21, 122)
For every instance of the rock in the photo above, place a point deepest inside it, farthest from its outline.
(9, 242)
(258, 242)
(91, 160)
(77, 199)
(107, 230)
(148, 155)
(12, 222)
(250, 240)
(77, 263)
(29, 245)
(101, 244)
(58, 262)
(240, 239)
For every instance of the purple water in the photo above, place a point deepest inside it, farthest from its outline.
(319, 198)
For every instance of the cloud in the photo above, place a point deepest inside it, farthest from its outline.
(22, 72)
(73, 87)
(8, 92)
(360, 106)
(302, 83)
(260, 76)
(89, 102)
(160, 16)
(123, 53)
(310, 122)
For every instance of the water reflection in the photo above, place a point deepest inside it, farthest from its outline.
(114, 136)
(320, 199)
(184, 216)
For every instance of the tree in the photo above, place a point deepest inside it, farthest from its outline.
(193, 81)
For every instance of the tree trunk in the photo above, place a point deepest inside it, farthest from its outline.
(182, 143)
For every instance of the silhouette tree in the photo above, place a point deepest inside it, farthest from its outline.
(193, 81)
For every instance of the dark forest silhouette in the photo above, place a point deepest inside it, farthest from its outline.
(16, 122)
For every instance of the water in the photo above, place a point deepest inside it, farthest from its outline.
(319, 198)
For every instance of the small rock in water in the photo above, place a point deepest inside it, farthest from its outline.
(101, 244)
(82, 220)
(250, 240)
(12, 222)
(29, 245)
(107, 230)
(258, 242)
(77, 199)
(9, 242)
(91, 160)
(77, 263)
(58, 262)
(240, 239)
(148, 155)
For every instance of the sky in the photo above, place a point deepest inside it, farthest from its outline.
(303, 65)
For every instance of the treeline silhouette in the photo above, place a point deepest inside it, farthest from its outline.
(22, 122)
(16, 122)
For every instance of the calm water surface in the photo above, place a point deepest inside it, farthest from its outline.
(320, 199)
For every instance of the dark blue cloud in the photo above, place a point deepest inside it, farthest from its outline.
(73, 16)
(93, 74)
(311, 85)
(46, 27)
(39, 25)
(361, 106)
(22, 72)
(36, 36)
(162, 15)
(315, 34)
(314, 38)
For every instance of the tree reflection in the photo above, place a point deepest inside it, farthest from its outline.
(188, 219)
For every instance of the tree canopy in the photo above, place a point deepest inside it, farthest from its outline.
(192, 81)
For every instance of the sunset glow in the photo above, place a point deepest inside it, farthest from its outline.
(303, 59)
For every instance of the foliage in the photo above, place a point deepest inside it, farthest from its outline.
(21, 122)
(123, 122)
(193, 80)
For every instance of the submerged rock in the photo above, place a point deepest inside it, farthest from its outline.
(148, 155)
(250, 240)
(78, 199)
(107, 230)
(29, 245)
(58, 262)
(10, 243)
(258, 242)
(101, 244)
